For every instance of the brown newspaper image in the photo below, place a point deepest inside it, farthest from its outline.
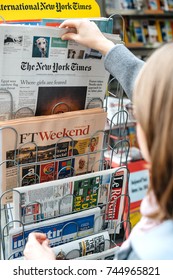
(46, 148)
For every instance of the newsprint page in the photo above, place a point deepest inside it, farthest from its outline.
(45, 148)
(40, 74)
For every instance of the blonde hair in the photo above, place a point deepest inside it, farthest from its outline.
(153, 103)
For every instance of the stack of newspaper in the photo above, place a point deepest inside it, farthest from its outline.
(105, 188)
(58, 230)
(93, 247)
(44, 207)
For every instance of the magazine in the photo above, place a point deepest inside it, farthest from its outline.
(45, 148)
(59, 230)
(41, 74)
(51, 199)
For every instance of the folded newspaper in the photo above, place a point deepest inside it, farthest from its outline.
(59, 230)
(41, 75)
(45, 148)
(109, 254)
(105, 189)
(89, 245)
(95, 246)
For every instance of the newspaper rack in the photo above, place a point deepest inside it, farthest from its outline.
(7, 222)
(121, 147)
(99, 247)
(6, 213)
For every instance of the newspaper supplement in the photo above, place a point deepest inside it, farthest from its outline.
(41, 75)
(47, 200)
(59, 230)
(45, 148)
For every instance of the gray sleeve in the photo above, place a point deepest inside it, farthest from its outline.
(124, 66)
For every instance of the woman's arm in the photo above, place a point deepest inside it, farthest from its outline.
(119, 61)
(124, 66)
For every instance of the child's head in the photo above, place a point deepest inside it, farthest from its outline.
(153, 103)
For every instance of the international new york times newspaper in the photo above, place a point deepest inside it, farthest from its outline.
(94, 246)
(46, 148)
(59, 230)
(40, 74)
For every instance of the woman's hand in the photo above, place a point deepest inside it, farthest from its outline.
(87, 34)
(37, 247)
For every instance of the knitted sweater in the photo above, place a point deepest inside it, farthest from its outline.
(124, 66)
(147, 241)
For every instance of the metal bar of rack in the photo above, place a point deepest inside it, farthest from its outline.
(106, 209)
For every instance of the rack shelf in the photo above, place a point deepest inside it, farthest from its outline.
(160, 20)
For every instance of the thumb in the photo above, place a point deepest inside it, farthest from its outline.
(70, 36)
(45, 243)
(48, 250)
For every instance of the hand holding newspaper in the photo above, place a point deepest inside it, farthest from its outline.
(42, 74)
(59, 230)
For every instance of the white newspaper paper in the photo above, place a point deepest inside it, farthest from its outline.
(95, 246)
(46, 148)
(59, 230)
(91, 244)
(50, 199)
(40, 74)
(109, 254)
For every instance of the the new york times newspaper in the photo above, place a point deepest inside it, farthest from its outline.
(58, 230)
(41, 75)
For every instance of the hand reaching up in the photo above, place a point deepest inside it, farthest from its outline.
(87, 34)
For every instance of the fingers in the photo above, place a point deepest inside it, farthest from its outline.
(87, 34)
(46, 243)
(68, 23)
(48, 252)
(69, 36)
(36, 237)
(45, 246)
(37, 248)
(72, 23)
